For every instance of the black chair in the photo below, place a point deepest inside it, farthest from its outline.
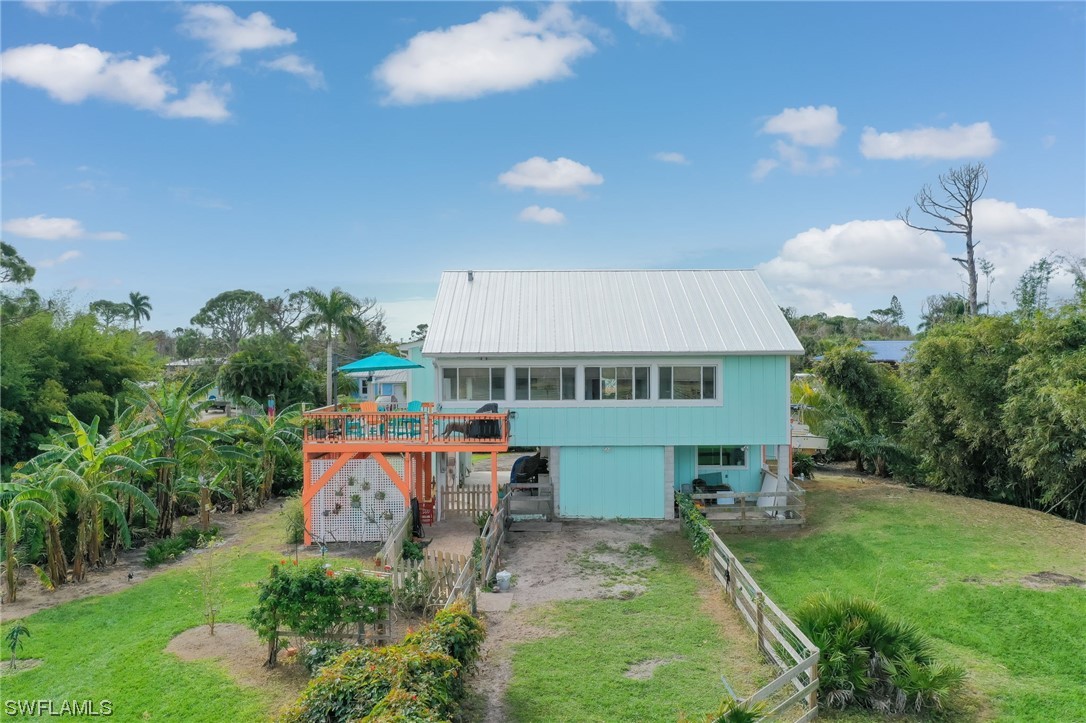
(486, 428)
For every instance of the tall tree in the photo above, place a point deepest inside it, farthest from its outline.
(1031, 293)
(267, 436)
(231, 316)
(952, 211)
(13, 267)
(139, 307)
(109, 312)
(419, 332)
(334, 315)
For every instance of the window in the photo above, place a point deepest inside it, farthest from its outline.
(545, 383)
(473, 384)
(688, 382)
(616, 383)
(722, 457)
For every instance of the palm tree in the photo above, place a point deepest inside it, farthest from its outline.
(139, 307)
(46, 478)
(335, 314)
(17, 502)
(169, 413)
(267, 436)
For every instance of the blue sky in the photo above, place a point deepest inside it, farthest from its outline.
(185, 149)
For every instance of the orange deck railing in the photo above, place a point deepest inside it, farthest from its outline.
(332, 425)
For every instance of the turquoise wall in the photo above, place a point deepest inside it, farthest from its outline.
(624, 482)
(686, 465)
(422, 380)
(754, 412)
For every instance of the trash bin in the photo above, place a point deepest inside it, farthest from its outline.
(503, 578)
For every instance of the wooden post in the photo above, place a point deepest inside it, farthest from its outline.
(812, 697)
(307, 507)
(273, 643)
(759, 601)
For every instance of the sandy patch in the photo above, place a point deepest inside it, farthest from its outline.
(1050, 580)
(21, 666)
(645, 669)
(238, 650)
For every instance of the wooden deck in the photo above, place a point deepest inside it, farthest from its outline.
(334, 429)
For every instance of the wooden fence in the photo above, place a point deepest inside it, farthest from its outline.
(779, 639)
(440, 570)
(392, 550)
(493, 535)
(469, 501)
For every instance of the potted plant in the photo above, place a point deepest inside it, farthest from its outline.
(356, 501)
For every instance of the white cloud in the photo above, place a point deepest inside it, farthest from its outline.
(48, 7)
(1048, 141)
(17, 162)
(299, 66)
(200, 198)
(672, 157)
(861, 263)
(763, 167)
(63, 258)
(228, 34)
(807, 126)
(974, 141)
(72, 75)
(644, 17)
(796, 160)
(51, 228)
(559, 176)
(544, 215)
(501, 51)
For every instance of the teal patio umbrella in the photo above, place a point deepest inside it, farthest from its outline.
(379, 362)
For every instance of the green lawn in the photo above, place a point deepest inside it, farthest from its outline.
(111, 647)
(955, 566)
(579, 674)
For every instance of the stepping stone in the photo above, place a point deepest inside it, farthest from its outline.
(494, 602)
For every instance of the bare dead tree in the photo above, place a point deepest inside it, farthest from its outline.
(954, 214)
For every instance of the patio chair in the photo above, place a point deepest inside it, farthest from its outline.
(485, 428)
(412, 426)
(373, 427)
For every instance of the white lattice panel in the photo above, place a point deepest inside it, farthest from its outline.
(359, 504)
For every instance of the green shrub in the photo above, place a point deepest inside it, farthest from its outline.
(694, 525)
(171, 548)
(315, 656)
(315, 602)
(412, 550)
(454, 631)
(870, 659)
(803, 464)
(294, 514)
(420, 680)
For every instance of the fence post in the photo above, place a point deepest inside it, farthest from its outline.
(812, 697)
(759, 601)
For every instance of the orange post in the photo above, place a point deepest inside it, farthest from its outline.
(307, 509)
(493, 480)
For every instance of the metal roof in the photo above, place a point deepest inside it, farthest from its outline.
(480, 313)
(887, 351)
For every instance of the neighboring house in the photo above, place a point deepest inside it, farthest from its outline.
(633, 383)
(887, 352)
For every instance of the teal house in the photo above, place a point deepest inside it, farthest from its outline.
(632, 383)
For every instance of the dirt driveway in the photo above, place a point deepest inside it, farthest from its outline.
(550, 562)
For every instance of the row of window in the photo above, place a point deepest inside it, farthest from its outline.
(487, 384)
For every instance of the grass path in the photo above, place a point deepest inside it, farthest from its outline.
(643, 659)
(964, 569)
